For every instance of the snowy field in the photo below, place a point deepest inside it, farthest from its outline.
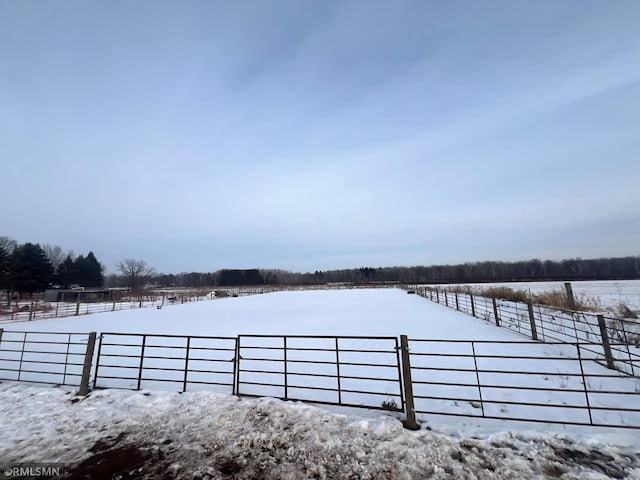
(386, 312)
(214, 434)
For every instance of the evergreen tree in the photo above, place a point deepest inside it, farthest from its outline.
(65, 273)
(4, 269)
(31, 270)
(91, 272)
(79, 271)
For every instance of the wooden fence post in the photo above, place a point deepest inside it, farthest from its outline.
(495, 312)
(86, 367)
(532, 321)
(457, 303)
(571, 301)
(605, 343)
(1, 330)
(410, 423)
(437, 295)
(446, 298)
(473, 307)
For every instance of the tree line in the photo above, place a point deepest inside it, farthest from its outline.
(30, 267)
(617, 268)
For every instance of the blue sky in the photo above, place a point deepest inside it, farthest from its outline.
(308, 135)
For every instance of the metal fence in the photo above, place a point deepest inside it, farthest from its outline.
(43, 357)
(40, 310)
(525, 380)
(348, 371)
(613, 341)
(135, 361)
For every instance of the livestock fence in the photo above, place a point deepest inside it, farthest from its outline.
(39, 310)
(549, 382)
(613, 341)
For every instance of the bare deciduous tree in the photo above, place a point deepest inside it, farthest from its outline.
(135, 272)
(8, 244)
(55, 254)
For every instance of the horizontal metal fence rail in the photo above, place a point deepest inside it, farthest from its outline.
(592, 331)
(346, 370)
(549, 382)
(42, 357)
(521, 381)
(136, 361)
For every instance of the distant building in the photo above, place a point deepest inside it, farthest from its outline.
(77, 295)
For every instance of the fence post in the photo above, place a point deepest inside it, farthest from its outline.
(473, 307)
(77, 303)
(457, 303)
(186, 365)
(437, 295)
(446, 298)
(31, 311)
(286, 388)
(144, 341)
(235, 390)
(410, 423)
(532, 321)
(605, 343)
(571, 301)
(338, 372)
(86, 367)
(1, 330)
(495, 312)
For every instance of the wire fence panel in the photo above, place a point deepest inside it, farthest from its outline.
(42, 357)
(524, 381)
(350, 371)
(553, 382)
(549, 324)
(142, 361)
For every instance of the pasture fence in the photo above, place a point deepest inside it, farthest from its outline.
(614, 342)
(39, 310)
(46, 357)
(509, 380)
(549, 382)
(347, 371)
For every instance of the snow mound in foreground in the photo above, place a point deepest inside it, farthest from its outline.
(208, 435)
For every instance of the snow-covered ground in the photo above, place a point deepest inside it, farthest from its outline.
(149, 434)
(211, 434)
(311, 312)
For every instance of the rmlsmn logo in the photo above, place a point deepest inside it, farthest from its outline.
(30, 471)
